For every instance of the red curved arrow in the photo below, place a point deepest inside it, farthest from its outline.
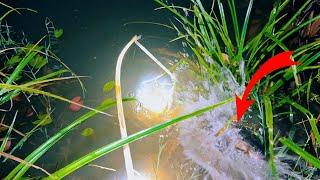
(278, 61)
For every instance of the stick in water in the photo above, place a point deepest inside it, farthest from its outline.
(123, 128)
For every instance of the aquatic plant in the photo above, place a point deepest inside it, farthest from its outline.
(220, 48)
(25, 73)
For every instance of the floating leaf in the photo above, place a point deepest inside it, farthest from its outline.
(13, 60)
(108, 86)
(58, 33)
(87, 132)
(43, 119)
(38, 62)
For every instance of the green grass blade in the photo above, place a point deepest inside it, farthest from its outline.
(211, 25)
(134, 137)
(309, 89)
(4, 142)
(256, 43)
(175, 12)
(147, 22)
(29, 56)
(14, 10)
(304, 154)
(311, 119)
(19, 170)
(269, 123)
(20, 67)
(302, 109)
(294, 17)
(296, 29)
(23, 140)
(314, 128)
(315, 46)
(14, 93)
(8, 87)
(223, 19)
(279, 43)
(234, 17)
(245, 26)
(288, 75)
(50, 75)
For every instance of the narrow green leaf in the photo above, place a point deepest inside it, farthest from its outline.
(43, 120)
(19, 170)
(294, 17)
(4, 142)
(245, 25)
(269, 122)
(314, 128)
(304, 154)
(234, 21)
(288, 75)
(131, 138)
(14, 93)
(29, 56)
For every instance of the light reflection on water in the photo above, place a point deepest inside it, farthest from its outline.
(156, 95)
(136, 70)
(93, 36)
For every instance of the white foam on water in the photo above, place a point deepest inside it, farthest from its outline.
(218, 154)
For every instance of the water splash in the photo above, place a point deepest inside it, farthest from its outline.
(223, 155)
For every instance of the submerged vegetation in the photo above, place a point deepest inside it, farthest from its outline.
(281, 128)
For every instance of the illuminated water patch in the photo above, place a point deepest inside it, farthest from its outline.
(155, 96)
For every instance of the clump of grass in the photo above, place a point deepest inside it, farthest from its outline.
(210, 39)
(23, 73)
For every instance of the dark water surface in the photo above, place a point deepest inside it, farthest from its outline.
(94, 34)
